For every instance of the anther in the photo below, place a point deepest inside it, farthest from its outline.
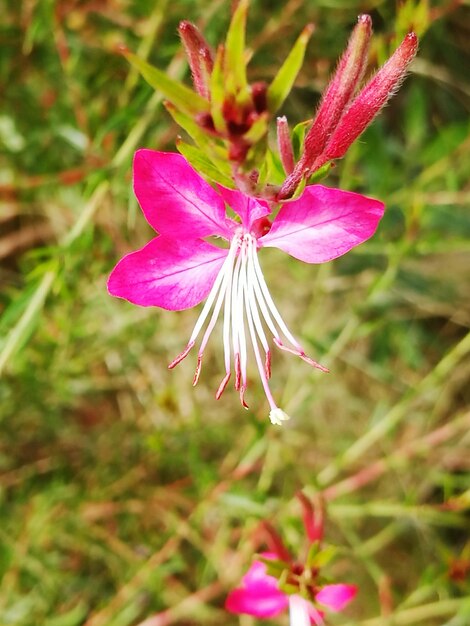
(267, 364)
(242, 397)
(301, 354)
(238, 371)
(183, 355)
(222, 385)
(198, 369)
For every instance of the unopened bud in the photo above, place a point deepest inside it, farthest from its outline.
(372, 98)
(199, 55)
(313, 517)
(340, 90)
(284, 145)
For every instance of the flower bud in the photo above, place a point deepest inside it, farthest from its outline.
(199, 55)
(284, 145)
(340, 90)
(372, 98)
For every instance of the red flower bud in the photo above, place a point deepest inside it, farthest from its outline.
(372, 98)
(199, 55)
(340, 90)
(284, 145)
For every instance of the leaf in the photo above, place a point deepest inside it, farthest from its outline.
(323, 557)
(299, 190)
(181, 96)
(218, 91)
(235, 65)
(321, 173)
(280, 88)
(271, 170)
(203, 164)
(207, 146)
(298, 135)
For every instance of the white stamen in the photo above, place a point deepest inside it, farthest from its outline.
(261, 366)
(259, 294)
(209, 302)
(251, 298)
(227, 308)
(242, 307)
(235, 309)
(299, 611)
(241, 289)
(218, 305)
(271, 305)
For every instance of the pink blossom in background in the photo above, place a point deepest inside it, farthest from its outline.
(179, 268)
(278, 582)
(260, 596)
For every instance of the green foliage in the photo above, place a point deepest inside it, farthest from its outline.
(284, 80)
(125, 492)
(182, 97)
(235, 80)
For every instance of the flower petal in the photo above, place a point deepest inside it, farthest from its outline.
(173, 274)
(175, 200)
(336, 597)
(260, 602)
(323, 224)
(257, 573)
(259, 595)
(299, 611)
(248, 208)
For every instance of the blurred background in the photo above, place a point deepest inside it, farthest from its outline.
(128, 497)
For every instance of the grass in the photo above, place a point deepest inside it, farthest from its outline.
(128, 497)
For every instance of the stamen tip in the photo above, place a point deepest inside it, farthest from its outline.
(198, 370)
(181, 356)
(242, 397)
(222, 386)
(267, 364)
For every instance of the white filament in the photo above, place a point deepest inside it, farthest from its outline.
(241, 288)
(298, 611)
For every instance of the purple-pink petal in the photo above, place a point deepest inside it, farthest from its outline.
(174, 274)
(323, 224)
(175, 200)
(259, 594)
(336, 597)
(247, 208)
(259, 602)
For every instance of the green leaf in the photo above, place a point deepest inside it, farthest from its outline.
(203, 164)
(300, 189)
(280, 88)
(324, 556)
(271, 170)
(218, 91)
(321, 173)
(215, 153)
(234, 62)
(181, 96)
(298, 135)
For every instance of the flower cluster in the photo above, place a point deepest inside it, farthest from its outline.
(228, 118)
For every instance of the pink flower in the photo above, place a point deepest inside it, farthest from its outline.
(179, 268)
(260, 595)
(278, 582)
